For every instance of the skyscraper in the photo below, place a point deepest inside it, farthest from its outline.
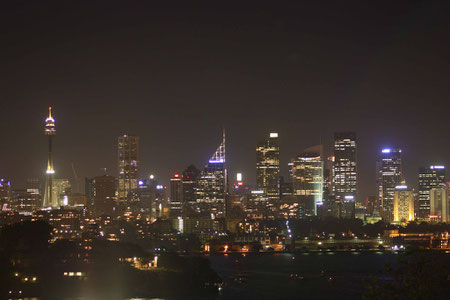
(50, 131)
(61, 191)
(429, 178)
(389, 176)
(190, 176)
(268, 169)
(403, 207)
(307, 179)
(212, 184)
(439, 204)
(176, 196)
(104, 193)
(344, 172)
(128, 163)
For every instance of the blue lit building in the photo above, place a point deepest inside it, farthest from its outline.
(211, 189)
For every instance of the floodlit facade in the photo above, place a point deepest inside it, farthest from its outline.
(50, 132)
(211, 187)
(389, 171)
(128, 163)
(439, 204)
(429, 178)
(307, 180)
(403, 204)
(268, 169)
(345, 172)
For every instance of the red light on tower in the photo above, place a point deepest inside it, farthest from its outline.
(176, 175)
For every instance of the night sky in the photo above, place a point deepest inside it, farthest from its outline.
(176, 75)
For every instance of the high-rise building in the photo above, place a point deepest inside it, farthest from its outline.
(89, 191)
(176, 196)
(104, 193)
(61, 191)
(439, 204)
(212, 185)
(307, 179)
(371, 205)
(389, 175)
(344, 172)
(429, 178)
(190, 176)
(34, 189)
(268, 170)
(403, 208)
(50, 131)
(5, 193)
(25, 202)
(128, 163)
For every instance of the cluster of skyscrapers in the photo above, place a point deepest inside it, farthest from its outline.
(317, 185)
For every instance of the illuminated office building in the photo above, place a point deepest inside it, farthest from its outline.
(403, 206)
(268, 169)
(212, 185)
(25, 202)
(50, 131)
(128, 163)
(61, 191)
(439, 205)
(152, 197)
(389, 173)
(344, 172)
(429, 178)
(176, 196)
(307, 180)
(5, 193)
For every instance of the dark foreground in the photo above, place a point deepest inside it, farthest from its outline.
(339, 275)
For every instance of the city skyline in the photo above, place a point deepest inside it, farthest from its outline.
(268, 70)
(327, 152)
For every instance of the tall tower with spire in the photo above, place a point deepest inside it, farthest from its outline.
(211, 188)
(50, 131)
